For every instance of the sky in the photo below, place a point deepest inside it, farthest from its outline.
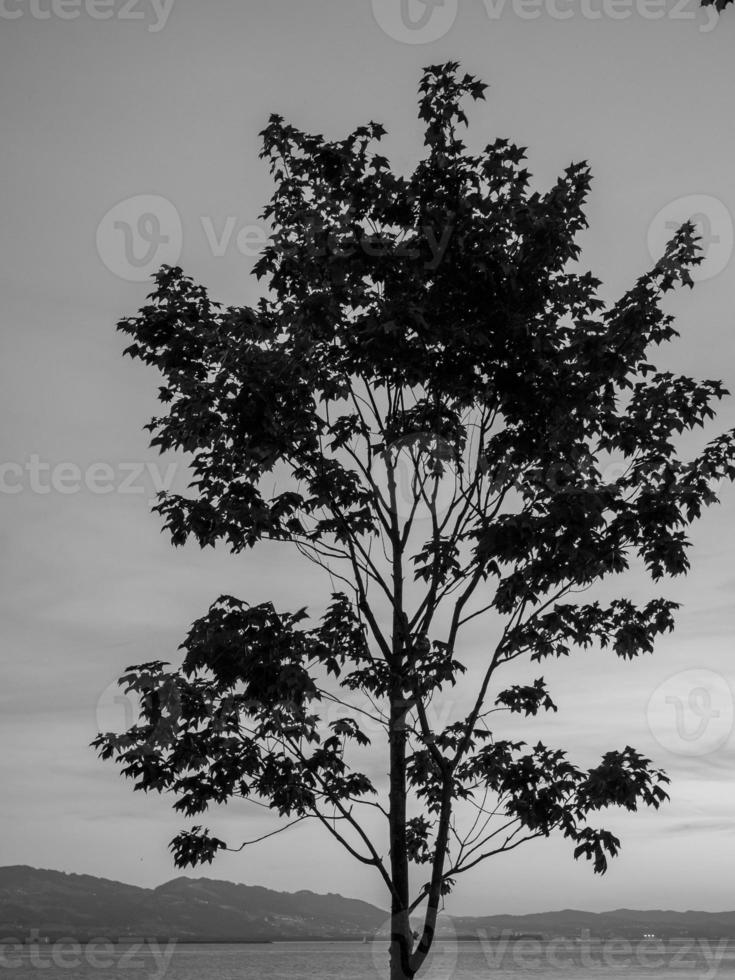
(129, 138)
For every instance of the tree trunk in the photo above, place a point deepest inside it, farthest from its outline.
(401, 940)
(399, 956)
(432, 910)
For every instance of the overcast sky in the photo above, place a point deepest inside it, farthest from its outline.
(103, 118)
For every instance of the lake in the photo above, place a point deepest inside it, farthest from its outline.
(524, 960)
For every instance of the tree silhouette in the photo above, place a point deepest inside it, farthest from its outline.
(436, 393)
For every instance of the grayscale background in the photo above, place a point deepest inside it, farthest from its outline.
(129, 139)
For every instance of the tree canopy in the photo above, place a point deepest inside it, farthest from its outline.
(426, 403)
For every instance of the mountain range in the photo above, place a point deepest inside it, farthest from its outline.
(35, 902)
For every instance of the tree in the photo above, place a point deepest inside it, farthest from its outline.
(436, 392)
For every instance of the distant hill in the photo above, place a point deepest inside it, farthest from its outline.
(201, 909)
(186, 908)
(620, 923)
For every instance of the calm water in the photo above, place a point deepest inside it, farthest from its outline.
(347, 961)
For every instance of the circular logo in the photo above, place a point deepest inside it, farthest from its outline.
(116, 711)
(119, 710)
(714, 226)
(139, 235)
(441, 961)
(691, 713)
(415, 21)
